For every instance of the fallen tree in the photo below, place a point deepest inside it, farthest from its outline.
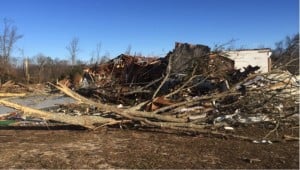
(85, 121)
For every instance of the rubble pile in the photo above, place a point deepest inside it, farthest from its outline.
(126, 70)
(190, 90)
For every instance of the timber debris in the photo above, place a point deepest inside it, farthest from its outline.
(190, 90)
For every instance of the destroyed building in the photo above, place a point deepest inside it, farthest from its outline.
(186, 59)
(211, 71)
(190, 90)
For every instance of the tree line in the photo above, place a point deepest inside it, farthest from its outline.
(42, 68)
(286, 54)
(39, 68)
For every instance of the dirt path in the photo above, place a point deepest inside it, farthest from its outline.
(114, 148)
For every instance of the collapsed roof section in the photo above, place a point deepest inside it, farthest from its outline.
(127, 69)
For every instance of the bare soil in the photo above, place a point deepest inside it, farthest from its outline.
(117, 148)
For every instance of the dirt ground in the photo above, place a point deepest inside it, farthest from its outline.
(119, 148)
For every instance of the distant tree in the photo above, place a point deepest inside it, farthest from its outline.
(92, 59)
(128, 50)
(225, 46)
(286, 54)
(140, 54)
(73, 49)
(104, 58)
(45, 63)
(8, 39)
(80, 62)
(60, 69)
(98, 50)
(95, 55)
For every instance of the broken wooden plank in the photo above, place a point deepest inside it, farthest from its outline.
(12, 94)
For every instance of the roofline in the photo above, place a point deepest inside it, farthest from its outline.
(254, 49)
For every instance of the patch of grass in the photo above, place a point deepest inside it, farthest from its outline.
(6, 122)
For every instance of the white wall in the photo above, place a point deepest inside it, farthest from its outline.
(243, 58)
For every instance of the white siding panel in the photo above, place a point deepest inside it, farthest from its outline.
(250, 57)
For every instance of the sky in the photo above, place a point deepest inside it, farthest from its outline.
(149, 27)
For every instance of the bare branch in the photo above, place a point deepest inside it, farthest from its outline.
(8, 40)
(169, 68)
(73, 49)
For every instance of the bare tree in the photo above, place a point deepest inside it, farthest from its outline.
(73, 49)
(42, 62)
(92, 59)
(98, 50)
(104, 58)
(128, 50)
(230, 45)
(286, 54)
(8, 38)
(95, 55)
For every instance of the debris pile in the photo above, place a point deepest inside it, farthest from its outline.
(126, 70)
(189, 90)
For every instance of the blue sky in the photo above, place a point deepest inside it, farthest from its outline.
(150, 27)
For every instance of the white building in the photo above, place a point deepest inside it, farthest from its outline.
(253, 57)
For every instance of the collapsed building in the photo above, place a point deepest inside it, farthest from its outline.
(212, 71)
(127, 69)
